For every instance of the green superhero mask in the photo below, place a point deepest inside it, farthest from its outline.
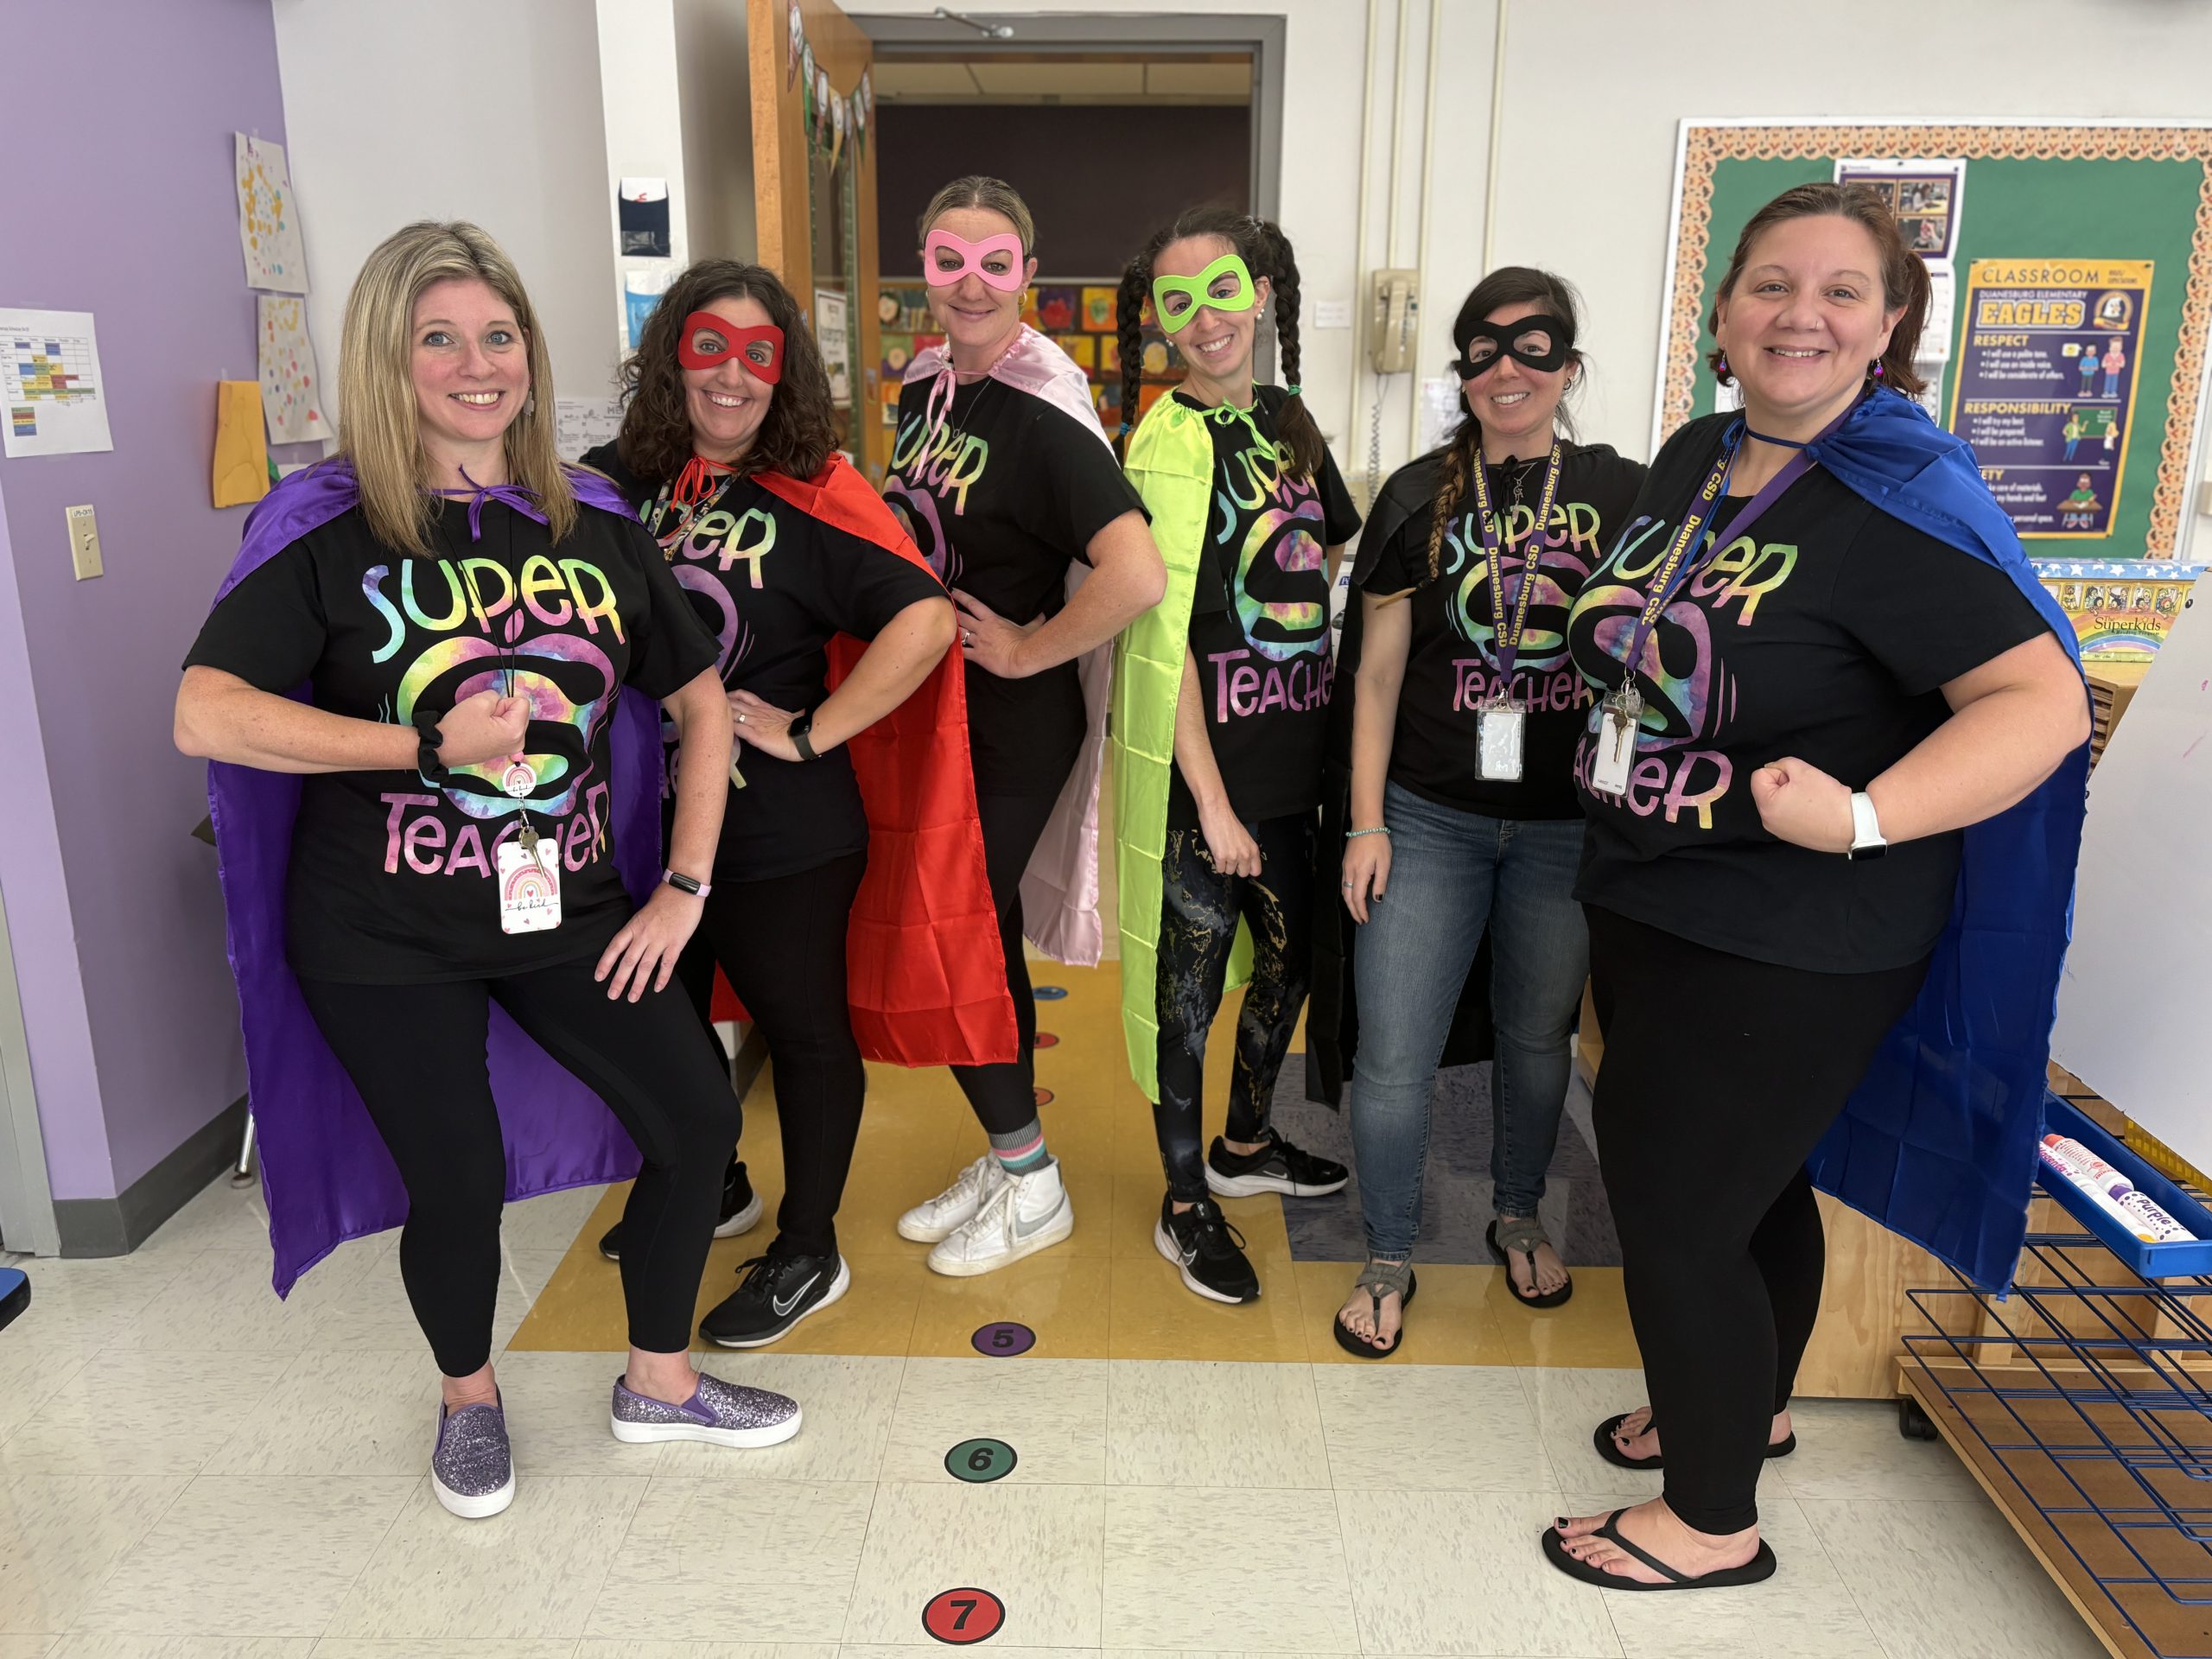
(1176, 300)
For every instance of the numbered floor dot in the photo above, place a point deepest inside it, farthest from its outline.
(1047, 1039)
(1048, 993)
(1044, 1095)
(1004, 1339)
(981, 1460)
(962, 1615)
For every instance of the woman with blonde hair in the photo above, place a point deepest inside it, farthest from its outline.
(426, 686)
(1007, 485)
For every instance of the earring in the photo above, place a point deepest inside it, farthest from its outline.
(1720, 371)
(529, 406)
(1877, 368)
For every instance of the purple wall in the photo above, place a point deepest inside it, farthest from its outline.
(132, 1019)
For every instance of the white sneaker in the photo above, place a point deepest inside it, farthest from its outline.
(954, 1207)
(1026, 1214)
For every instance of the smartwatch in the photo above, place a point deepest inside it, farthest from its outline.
(796, 732)
(683, 883)
(428, 740)
(1866, 829)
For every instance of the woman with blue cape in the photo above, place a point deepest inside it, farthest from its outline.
(427, 690)
(1833, 785)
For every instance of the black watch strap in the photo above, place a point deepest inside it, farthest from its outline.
(797, 731)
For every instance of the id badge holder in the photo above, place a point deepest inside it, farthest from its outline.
(1620, 717)
(530, 883)
(1499, 726)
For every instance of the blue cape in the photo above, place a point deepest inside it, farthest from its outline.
(324, 1169)
(1939, 1143)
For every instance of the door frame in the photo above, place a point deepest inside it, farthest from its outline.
(1264, 37)
(26, 1196)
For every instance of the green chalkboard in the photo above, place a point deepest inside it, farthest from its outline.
(2095, 193)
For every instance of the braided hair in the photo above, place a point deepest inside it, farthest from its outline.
(1463, 451)
(1266, 253)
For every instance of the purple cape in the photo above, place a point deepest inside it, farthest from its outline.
(324, 1170)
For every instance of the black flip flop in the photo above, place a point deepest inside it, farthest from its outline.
(1551, 1299)
(1352, 1343)
(1758, 1569)
(1602, 1438)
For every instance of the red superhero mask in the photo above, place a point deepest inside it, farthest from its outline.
(708, 340)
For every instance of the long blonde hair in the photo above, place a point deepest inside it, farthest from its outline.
(378, 426)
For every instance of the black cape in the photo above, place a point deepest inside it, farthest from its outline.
(1333, 1011)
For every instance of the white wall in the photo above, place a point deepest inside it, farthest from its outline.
(484, 110)
(638, 73)
(1594, 90)
(714, 87)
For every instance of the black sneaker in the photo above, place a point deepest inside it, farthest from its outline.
(1206, 1250)
(777, 1291)
(1277, 1168)
(741, 1213)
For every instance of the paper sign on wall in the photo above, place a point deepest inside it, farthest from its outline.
(834, 339)
(269, 221)
(240, 473)
(51, 392)
(291, 392)
(581, 423)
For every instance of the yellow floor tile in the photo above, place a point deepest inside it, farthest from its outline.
(1451, 1322)
(1591, 1330)
(1154, 1317)
(1060, 1295)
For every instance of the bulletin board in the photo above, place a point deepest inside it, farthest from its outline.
(2095, 210)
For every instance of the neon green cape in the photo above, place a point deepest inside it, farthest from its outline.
(1171, 463)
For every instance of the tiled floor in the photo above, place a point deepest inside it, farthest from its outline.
(192, 1469)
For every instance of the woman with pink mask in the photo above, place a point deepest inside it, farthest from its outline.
(1463, 821)
(1007, 485)
(1833, 779)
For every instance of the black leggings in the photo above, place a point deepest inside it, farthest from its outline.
(782, 944)
(1004, 1096)
(1198, 911)
(417, 1053)
(1720, 1075)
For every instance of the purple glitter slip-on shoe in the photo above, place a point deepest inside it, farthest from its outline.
(472, 1469)
(721, 1414)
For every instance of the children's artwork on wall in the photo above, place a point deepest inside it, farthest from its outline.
(269, 221)
(291, 391)
(1098, 308)
(1109, 354)
(1079, 347)
(1056, 307)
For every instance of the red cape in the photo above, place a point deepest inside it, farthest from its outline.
(927, 976)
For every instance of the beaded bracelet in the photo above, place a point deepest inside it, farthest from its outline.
(1354, 835)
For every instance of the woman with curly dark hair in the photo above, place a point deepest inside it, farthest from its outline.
(728, 450)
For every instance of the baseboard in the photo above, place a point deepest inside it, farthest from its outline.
(119, 1225)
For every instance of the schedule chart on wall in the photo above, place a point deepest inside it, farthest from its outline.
(50, 385)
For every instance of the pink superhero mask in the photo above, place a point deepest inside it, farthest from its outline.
(707, 342)
(971, 255)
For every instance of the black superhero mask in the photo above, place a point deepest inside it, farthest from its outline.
(1509, 337)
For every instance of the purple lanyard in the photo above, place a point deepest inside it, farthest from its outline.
(1508, 643)
(1677, 567)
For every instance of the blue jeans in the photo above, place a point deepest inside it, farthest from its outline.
(1452, 874)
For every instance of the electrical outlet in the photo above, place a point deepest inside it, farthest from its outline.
(84, 541)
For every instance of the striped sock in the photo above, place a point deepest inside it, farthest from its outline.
(1022, 1151)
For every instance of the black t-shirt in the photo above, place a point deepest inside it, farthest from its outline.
(371, 895)
(1452, 661)
(773, 585)
(1259, 616)
(1826, 635)
(1000, 500)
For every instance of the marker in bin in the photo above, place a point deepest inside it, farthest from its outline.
(2114, 1192)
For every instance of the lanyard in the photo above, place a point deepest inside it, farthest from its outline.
(521, 777)
(1508, 642)
(1677, 566)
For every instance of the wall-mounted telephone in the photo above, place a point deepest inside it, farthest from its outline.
(1394, 323)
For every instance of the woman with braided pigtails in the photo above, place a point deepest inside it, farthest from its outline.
(1221, 697)
(1463, 816)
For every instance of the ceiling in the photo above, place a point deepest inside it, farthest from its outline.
(1008, 78)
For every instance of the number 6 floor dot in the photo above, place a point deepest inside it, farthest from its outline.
(978, 1461)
